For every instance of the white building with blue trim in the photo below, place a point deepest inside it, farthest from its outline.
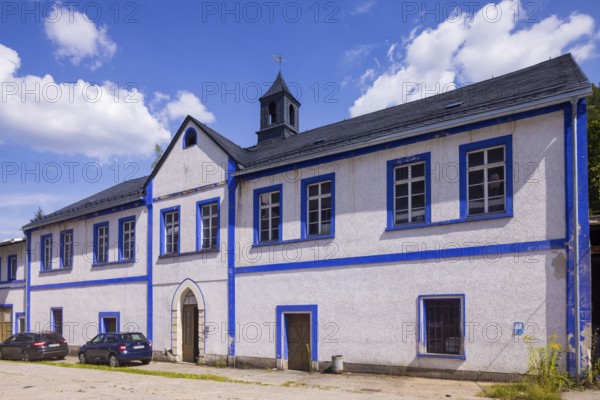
(432, 237)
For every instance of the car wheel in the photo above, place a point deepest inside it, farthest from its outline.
(146, 362)
(113, 360)
(82, 358)
(24, 356)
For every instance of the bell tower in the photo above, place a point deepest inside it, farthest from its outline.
(279, 112)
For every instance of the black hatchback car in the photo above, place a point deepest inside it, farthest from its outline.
(116, 349)
(28, 346)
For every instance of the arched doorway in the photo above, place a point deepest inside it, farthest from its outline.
(189, 325)
(187, 322)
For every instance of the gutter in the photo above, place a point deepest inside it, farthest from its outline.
(557, 99)
(84, 211)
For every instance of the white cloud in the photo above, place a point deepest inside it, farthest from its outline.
(357, 54)
(472, 48)
(98, 121)
(363, 8)
(77, 38)
(185, 104)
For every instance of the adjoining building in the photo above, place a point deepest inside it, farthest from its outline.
(438, 235)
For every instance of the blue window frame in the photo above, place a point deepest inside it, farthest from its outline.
(12, 267)
(409, 191)
(268, 213)
(317, 209)
(101, 243)
(109, 322)
(442, 326)
(208, 223)
(486, 180)
(66, 249)
(190, 138)
(56, 320)
(46, 252)
(127, 239)
(170, 230)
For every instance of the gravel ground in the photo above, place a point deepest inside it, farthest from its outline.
(37, 381)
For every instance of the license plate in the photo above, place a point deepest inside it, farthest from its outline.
(54, 345)
(138, 347)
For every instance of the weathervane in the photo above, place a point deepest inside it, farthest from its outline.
(279, 59)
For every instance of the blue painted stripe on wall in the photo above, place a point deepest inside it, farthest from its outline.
(492, 250)
(231, 197)
(585, 271)
(569, 235)
(28, 283)
(97, 282)
(149, 262)
(403, 142)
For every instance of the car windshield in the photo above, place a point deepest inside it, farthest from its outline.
(134, 337)
(97, 339)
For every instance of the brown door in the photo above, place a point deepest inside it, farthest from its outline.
(297, 328)
(5, 323)
(190, 333)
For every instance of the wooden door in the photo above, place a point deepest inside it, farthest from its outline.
(5, 323)
(190, 333)
(297, 327)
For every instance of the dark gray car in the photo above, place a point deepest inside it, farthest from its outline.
(28, 346)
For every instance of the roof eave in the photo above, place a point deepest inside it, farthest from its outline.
(548, 101)
(80, 213)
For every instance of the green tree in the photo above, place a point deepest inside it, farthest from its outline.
(38, 215)
(158, 153)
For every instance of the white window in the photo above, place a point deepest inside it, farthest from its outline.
(12, 267)
(319, 208)
(67, 250)
(270, 217)
(171, 232)
(486, 192)
(102, 237)
(47, 260)
(128, 232)
(210, 225)
(409, 193)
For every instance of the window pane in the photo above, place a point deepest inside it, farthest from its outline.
(313, 205)
(443, 330)
(313, 229)
(475, 159)
(476, 207)
(496, 174)
(475, 177)
(418, 187)
(275, 197)
(496, 189)
(326, 187)
(313, 190)
(402, 203)
(476, 192)
(418, 201)
(496, 155)
(401, 173)
(496, 204)
(418, 170)
(402, 189)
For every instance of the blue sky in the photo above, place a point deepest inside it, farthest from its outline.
(88, 87)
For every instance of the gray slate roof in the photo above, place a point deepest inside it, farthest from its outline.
(278, 86)
(557, 76)
(541, 81)
(120, 194)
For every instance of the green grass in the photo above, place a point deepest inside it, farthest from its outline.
(164, 374)
(521, 391)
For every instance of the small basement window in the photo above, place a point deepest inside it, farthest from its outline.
(190, 139)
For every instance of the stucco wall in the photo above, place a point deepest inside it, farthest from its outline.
(369, 314)
(360, 199)
(81, 308)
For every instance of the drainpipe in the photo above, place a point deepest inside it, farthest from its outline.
(575, 231)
